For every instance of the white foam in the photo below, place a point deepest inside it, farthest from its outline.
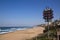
(21, 28)
(10, 30)
(3, 32)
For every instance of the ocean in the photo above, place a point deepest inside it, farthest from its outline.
(4, 30)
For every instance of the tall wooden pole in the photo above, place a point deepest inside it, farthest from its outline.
(48, 15)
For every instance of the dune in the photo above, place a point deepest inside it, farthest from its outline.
(22, 34)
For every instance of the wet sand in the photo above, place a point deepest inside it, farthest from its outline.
(22, 34)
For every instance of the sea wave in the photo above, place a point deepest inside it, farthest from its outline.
(4, 31)
(7, 30)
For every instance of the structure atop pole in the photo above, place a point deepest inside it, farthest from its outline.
(48, 15)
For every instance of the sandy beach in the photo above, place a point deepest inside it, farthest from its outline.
(22, 34)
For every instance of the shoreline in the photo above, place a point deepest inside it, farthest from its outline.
(12, 29)
(22, 34)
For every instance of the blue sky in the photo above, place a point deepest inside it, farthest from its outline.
(26, 12)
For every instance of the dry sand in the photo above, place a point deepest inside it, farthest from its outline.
(22, 34)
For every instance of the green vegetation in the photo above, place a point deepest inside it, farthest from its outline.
(44, 36)
(52, 32)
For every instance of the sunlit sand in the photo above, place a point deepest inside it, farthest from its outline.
(22, 34)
